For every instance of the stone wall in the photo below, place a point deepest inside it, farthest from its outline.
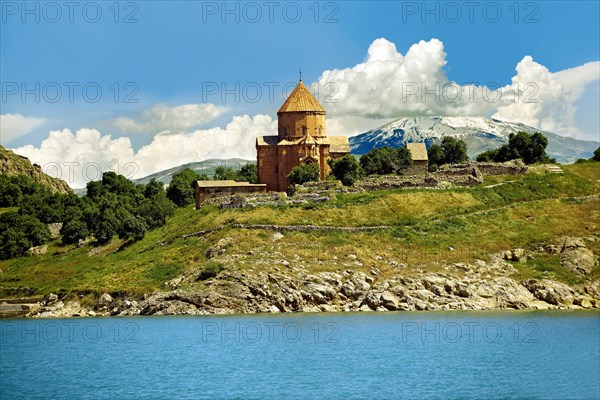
(514, 167)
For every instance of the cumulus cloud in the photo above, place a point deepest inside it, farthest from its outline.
(549, 100)
(81, 156)
(388, 84)
(165, 118)
(13, 126)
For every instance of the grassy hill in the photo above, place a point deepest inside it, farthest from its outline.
(426, 227)
(14, 164)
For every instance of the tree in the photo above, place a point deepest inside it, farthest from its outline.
(106, 226)
(73, 231)
(436, 155)
(487, 156)
(20, 232)
(304, 173)
(153, 188)
(402, 159)
(385, 160)
(248, 173)
(537, 150)
(596, 154)
(455, 150)
(10, 192)
(529, 148)
(223, 173)
(347, 169)
(155, 210)
(133, 227)
(12, 243)
(181, 188)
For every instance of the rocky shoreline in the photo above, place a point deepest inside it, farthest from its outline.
(479, 285)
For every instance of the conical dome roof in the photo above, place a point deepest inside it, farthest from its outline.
(301, 99)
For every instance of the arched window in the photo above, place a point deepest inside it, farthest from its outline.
(304, 131)
(319, 131)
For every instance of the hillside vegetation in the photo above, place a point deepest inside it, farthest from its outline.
(425, 228)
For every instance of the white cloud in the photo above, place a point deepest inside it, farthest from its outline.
(236, 140)
(13, 126)
(81, 156)
(388, 84)
(553, 97)
(165, 118)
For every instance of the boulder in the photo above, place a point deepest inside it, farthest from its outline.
(104, 301)
(551, 292)
(51, 299)
(576, 257)
(514, 254)
(38, 250)
(389, 301)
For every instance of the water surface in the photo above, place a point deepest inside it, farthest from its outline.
(437, 355)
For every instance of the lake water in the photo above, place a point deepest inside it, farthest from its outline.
(423, 355)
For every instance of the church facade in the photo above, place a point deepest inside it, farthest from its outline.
(301, 139)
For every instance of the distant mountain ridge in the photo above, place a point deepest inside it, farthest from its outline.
(14, 164)
(480, 134)
(206, 167)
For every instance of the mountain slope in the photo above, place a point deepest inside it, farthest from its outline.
(206, 167)
(14, 164)
(479, 133)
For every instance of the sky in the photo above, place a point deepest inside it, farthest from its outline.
(141, 86)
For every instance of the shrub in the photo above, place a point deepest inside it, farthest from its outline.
(304, 173)
(210, 271)
(455, 150)
(20, 232)
(248, 173)
(385, 160)
(73, 231)
(181, 188)
(529, 148)
(346, 169)
(435, 155)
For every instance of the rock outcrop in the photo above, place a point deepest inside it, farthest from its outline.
(575, 256)
(287, 286)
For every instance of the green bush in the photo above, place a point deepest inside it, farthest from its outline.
(210, 270)
(20, 232)
(385, 160)
(347, 169)
(455, 150)
(529, 148)
(181, 188)
(304, 173)
(73, 231)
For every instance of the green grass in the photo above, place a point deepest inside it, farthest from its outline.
(477, 221)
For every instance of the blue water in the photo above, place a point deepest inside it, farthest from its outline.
(426, 355)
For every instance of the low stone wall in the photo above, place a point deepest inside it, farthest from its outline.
(514, 167)
(461, 177)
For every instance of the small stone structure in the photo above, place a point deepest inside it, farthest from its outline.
(418, 153)
(204, 190)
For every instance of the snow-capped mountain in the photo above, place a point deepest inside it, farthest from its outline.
(479, 133)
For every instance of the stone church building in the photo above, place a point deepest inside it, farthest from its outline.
(301, 139)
